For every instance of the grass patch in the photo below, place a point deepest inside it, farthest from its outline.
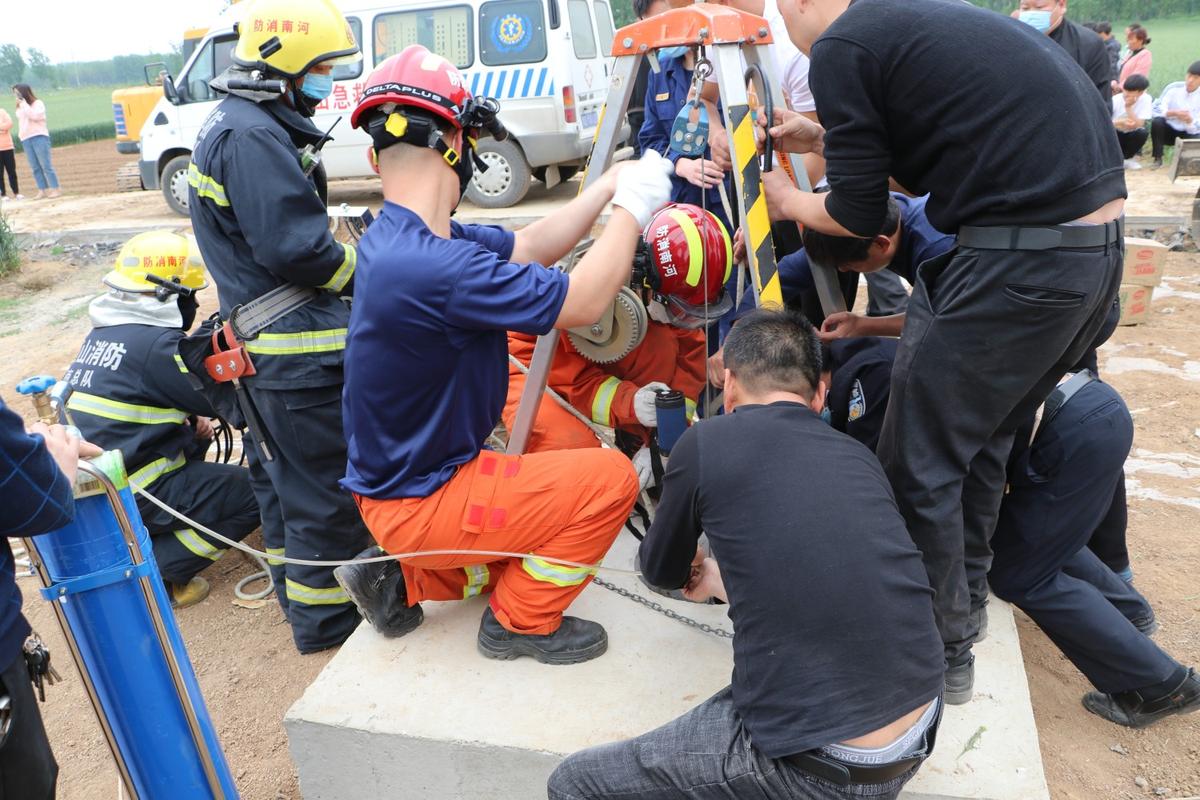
(70, 108)
(10, 254)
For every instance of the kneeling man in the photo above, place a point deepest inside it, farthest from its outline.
(837, 663)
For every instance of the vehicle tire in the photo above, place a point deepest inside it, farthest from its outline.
(507, 180)
(174, 183)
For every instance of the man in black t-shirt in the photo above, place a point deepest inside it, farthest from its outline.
(993, 324)
(837, 664)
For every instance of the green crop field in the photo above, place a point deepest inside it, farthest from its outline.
(1175, 44)
(71, 108)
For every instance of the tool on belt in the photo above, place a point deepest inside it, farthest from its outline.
(37, 663)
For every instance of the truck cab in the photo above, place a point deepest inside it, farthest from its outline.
(546, 61)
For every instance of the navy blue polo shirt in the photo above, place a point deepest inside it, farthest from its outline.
(861, 385)
(919, 242)
(426, 354)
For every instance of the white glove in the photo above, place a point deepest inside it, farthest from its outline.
(641, 465)
(643, 403)
(644, 186)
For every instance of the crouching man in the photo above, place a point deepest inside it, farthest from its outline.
(814, 711)
(427, 375)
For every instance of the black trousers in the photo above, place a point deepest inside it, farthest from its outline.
(217, 496)
(28, 770)
(8, 164)
(987, 336)
(1162, 134)
(1132, 141)
(1061, 490)
(320, 520)
(1108, 541)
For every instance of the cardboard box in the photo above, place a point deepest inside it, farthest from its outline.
(1135, 304)
(1144, 261)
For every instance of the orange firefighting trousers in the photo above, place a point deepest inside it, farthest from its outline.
(604, 392)
(568, 505)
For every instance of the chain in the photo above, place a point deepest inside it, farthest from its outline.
(653, 606)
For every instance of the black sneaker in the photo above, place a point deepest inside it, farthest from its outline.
(979, 620)
(576, 640)
(378, 591)
(960, 683)
(1157, 163)
(1134, 711)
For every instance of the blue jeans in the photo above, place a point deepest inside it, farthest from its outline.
(704, 755)
(37, 150)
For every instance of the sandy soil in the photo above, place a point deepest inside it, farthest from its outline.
(250, 672)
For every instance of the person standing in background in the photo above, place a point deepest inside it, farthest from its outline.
(8, 157)
(1139, 60)
(35, 137)
(1050, 17)
(1111, 46)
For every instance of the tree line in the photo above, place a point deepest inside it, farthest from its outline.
(33, 67)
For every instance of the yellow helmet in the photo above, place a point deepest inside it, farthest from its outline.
(159, 253)
(290, 36)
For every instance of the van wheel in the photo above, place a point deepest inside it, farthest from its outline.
(174, 183)
(507, 178)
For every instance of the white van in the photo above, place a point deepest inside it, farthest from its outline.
(545, 61)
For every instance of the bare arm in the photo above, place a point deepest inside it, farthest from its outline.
(594, 282)
(785, 201)
(552, 237)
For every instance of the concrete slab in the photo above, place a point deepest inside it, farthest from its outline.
(427, 717)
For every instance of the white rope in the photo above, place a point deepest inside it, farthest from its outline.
(305, 562)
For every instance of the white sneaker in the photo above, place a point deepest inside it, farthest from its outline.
(1132, 164)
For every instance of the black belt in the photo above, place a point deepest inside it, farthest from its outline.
(1040, 237)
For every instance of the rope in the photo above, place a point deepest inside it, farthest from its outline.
(305, 562)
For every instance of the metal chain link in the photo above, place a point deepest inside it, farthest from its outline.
(653, 606)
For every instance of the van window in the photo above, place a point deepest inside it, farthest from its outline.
(345, 72)
(445, 31)
(604, 25)
(582, 35)
(214, 58)
(512, 32)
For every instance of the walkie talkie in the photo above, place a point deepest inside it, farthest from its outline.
(310, 156)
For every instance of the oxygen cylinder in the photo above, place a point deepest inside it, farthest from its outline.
(100, 574)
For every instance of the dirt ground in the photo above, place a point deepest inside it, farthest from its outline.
(88, 168)
(250, 672)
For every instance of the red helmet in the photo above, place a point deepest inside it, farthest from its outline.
(691, 258)
(416, 77)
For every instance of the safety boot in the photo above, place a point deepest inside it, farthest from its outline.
(378, 591)
(188, 594)
(575, 641)
(960, 683)
(1133, 710)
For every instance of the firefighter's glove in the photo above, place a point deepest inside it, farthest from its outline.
(643, 403)
(643, 468)
(644, 186)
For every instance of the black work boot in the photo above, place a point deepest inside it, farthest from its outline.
(1147, 625)
(960, 682)
(575, 641)
(1133, 710)
(378, 591)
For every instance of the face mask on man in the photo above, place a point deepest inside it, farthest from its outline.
(1038, 20)
(671, 53)
(317, 86)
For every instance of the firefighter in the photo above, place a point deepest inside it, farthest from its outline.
(685, 287)
(132, 393)
(426, 377)
(262, 228)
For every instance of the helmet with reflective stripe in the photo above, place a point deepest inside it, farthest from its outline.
(691, 258)
(164, 255)
(288, 37)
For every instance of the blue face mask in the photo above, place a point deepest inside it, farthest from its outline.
(1038, 20)
(670, 53)
(317, 87)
